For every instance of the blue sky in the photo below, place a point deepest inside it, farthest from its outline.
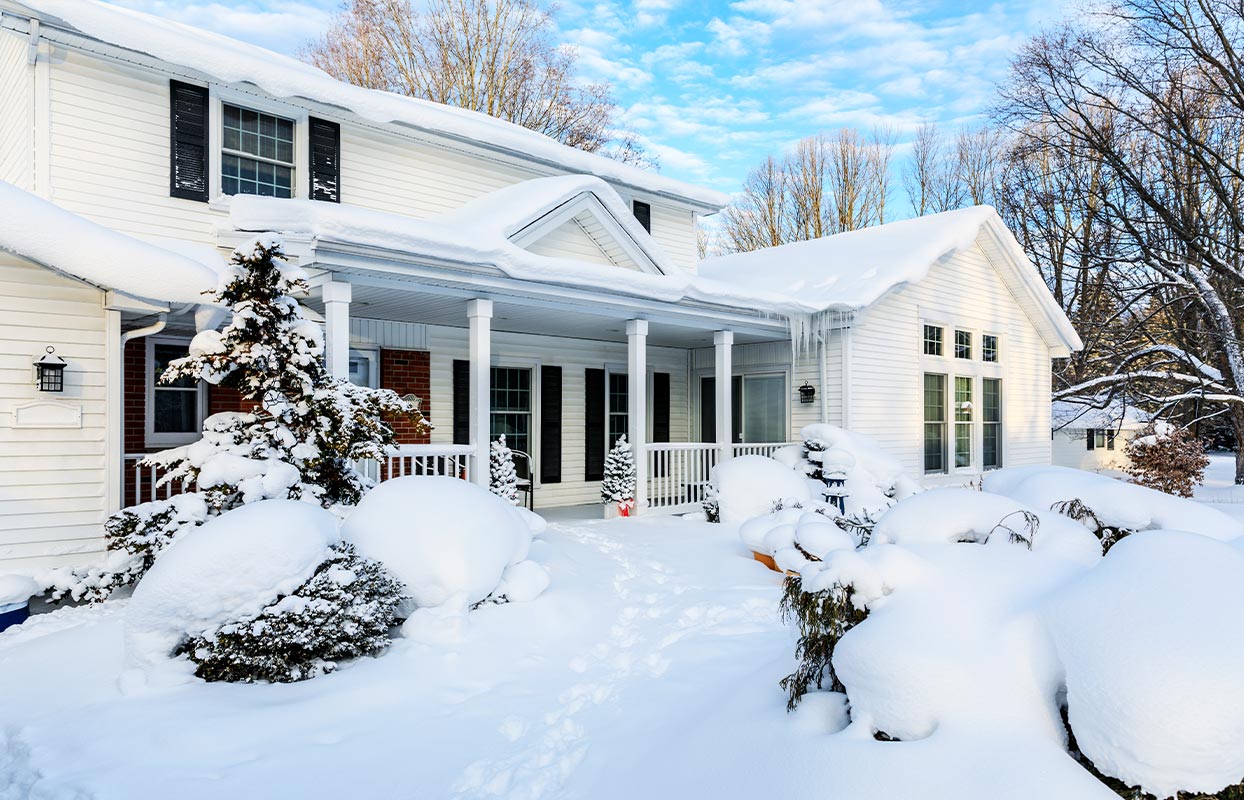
(712, 88)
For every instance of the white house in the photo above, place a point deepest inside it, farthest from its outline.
(1094, 439)
(515, 285)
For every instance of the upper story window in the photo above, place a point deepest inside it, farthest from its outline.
(963, 344)
(643, 213)
(989, 348)
(932, 340)
(257, 153)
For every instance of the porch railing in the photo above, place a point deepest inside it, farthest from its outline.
(678, 472)
(453, 460)
(141, 483)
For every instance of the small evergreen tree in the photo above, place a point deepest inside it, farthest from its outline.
(502, 477)
(1167, 458)
(299, 439)
(618, 484)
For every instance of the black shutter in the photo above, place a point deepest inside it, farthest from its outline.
(550, 424)
(1089, 438)
(187, 141)
(1110, 439)
(325, 140)
(643, 213)
(462, 402)
(736, 408)
(594, 424)
(660, 406)
(708, 409)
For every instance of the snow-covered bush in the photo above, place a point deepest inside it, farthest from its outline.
(300, 439)
(1167, 458)
(748, 486)
(502, 477)
(822, 618)
(450, 542)
(1152, 642)
(871, 479)
(225, 570)
(618, 483)
(342, 612)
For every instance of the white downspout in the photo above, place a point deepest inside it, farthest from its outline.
(117, 401)
(845, 340)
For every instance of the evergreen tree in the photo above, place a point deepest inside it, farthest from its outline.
(618, 485)
(502, 477)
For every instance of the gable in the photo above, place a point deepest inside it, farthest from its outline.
(582, 238)
(584, 229)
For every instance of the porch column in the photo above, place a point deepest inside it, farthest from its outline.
(479, 314)
(337, 328)
(722, 342)
(637, 405)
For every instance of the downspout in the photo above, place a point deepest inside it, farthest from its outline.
(126, 338)
(845, 344)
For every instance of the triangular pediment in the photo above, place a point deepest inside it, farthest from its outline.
(583, 229)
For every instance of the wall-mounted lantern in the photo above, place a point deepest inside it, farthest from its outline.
(50, 372)
(807, 393)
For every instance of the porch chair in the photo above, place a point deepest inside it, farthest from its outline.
(526, 478)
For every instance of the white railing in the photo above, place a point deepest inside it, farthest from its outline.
(678, 475)
(453, 460)
(142, 483)
(759, 448)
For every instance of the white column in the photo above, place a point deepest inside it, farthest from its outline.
(722, 342)
(479, 314)
(337, 328)
(637, 405)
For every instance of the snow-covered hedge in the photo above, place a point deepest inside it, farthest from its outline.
(749, 485)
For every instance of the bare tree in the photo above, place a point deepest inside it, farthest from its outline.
(496, 57)
(758, 217)
(930, 176)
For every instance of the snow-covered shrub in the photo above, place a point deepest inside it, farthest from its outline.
(502, 477)
(449, 541)
(871, 479)
(343, 611)
(1109, 535)
(822, 618)
(748, 486)
(225, 570)
(1152, 644)
(618, 483)
(1167, 458)
(304, 430)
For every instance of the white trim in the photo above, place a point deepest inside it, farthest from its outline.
(533, 366)
(114, 405)
(217, 96)
(150, 437)
(543, 225)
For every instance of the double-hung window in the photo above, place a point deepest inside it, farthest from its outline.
(175, 414)
(511, 407)
(991, 422)
(257, 153)
(617, 407)
(963, 421)
(934, 423)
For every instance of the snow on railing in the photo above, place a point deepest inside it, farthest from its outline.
(142, 483)
(453, 460)
(758, 448)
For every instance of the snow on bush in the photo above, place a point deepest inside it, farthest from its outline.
(793, 535)
(1152, 642)
(873, 478)
(748, 486)
(225, 570)
(449, 541)
(618, 483)
(343, 611)
(1167, 458)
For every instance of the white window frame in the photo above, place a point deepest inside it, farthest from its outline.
(695, 392)
(1001, 423)
(533, 365)
(997, 337)
(372, 355)
(218, 96)
(151, 437)
(975, 368)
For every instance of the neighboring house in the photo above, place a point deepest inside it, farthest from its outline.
(1094, 439)
(513, 284)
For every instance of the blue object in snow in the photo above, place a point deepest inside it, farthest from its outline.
(14, 614)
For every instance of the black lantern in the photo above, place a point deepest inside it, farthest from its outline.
(807, 393)
(50, 372)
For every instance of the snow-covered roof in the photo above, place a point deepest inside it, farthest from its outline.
(1114, 414)
(480, 233)
(850, 271)
(45, 233)
(233, 61)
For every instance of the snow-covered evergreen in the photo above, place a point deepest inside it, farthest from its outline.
(299, 439)
(618, 485)
(502, 477)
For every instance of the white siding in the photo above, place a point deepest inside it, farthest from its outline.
(887, 366)
(1070, 450)
(573, 356)
(52, 480)
(674, 230)
(16, 126)
(570, 240)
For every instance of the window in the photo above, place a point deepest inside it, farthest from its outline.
(764, 408)
(1102, 438)
(363, 368)
(643, 213)
(617, 408)
(257, 153)
(934, 423)
(989, 348)
(511, 407)
(175, 411)
(963, 344)
(991, 421)
(932, 340)
(963, 421)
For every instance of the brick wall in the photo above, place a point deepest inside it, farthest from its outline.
(407, 372)
(135, 396)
